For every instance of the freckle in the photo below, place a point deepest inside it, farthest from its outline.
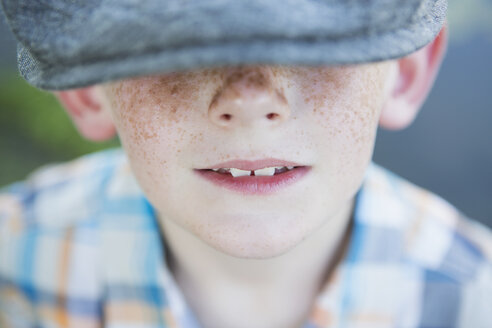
(174, 90)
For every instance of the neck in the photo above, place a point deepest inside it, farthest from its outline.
(224, 291)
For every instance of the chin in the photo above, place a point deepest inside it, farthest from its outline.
(255, 251)
(256, 241)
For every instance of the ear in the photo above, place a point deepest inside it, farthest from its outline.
(414, 79)
(85, 108)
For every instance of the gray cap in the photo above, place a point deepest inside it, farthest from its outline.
(74, 43)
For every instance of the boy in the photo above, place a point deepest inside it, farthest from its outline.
(245, 196)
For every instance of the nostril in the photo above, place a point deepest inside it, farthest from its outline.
(272, 116)
(226, 117)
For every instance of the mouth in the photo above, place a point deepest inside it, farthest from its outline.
(265, 172)
(258, 177)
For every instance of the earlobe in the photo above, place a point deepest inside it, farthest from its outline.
(414, 80)
(85, 108)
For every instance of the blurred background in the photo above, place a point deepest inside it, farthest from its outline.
(447, 150)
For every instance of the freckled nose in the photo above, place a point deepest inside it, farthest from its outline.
(249, 98)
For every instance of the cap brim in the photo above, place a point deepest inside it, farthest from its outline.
(343, 47)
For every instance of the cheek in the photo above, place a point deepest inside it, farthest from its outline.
(345, 101)
(152, 133)
(345, 110)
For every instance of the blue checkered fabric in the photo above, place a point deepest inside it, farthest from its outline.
(80, 247)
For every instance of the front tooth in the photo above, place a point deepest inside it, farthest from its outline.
(290, 167)
(239, 173)
(267, 171)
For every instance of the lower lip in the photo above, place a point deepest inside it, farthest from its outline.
(255, 185)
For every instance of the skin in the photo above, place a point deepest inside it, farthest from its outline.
(323, 117)
(271, 254)
(255, 247)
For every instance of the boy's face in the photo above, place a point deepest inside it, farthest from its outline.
(324, 119)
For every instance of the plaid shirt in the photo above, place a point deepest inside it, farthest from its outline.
(80, 247)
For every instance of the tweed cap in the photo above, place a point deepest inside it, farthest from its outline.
(74, 43)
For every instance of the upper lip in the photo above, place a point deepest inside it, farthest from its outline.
(254, 165)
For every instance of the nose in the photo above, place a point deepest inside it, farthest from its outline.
(249, 97)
